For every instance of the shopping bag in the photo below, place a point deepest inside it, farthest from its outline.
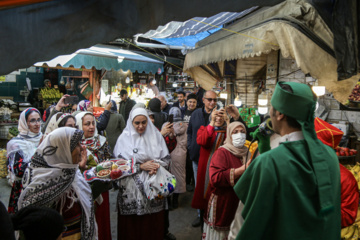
(160, 185)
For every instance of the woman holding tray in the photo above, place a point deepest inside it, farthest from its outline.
(53, 179)
(138, 217)
(98, 151)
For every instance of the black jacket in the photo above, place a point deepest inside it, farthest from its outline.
(167, 108)
(196, 121)
(129, 103)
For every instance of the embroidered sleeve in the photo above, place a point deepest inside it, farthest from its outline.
(232, 176)
(19, 165)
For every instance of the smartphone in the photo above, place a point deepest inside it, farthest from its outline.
(171, 118)
(109, 100)
(71, 100)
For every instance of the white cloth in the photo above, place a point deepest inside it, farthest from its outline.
(148, 146)
(54, 122)
(52, 176)
(209, 232)
(237, 222)
(25, 143)
(291, 137)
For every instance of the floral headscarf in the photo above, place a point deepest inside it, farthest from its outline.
(83, 105)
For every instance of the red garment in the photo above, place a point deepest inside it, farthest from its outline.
(206, 136)
(102, 216)
(349, 197)
(170, 143)
(327, 133)
(222, 180)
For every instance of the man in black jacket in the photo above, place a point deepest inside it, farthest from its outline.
(126, 104)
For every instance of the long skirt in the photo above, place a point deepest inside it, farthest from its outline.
(209, 232)
(102, 216)
(136, 227)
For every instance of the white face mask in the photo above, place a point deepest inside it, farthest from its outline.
(238, 139)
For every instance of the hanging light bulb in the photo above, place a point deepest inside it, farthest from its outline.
(263, 99)
(174, 85)
(223, 95)
(127, 80)
(319, 90)
(263, 110)
(237, 101)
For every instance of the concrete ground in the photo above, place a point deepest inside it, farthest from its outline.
(180, 219)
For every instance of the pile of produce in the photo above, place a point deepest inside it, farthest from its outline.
(13, 120)
(50, 94)
(13, 132)
(110, 170)
(355, 94)
(253, 147)
(3, 167)
(345, 152)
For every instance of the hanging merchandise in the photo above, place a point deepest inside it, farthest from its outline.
(86, 90)
(68, 84)
(62, 81)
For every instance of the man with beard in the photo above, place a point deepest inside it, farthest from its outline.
(181, 103)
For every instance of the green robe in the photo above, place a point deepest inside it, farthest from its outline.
(280, 196)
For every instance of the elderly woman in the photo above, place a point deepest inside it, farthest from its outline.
(20, 150)
(226, 166)
(138, 217)
(54, 180)
(210, 138)
(98, 151)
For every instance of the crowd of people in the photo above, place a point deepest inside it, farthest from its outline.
(289, 192)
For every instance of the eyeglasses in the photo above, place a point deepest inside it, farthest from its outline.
(211, 99)
(35, 121)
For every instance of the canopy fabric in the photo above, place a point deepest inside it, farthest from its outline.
(105, 57)
(193, 30)
(274, 29)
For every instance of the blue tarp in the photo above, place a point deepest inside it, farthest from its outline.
(193, 30)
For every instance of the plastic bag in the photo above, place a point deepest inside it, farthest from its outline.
(160, 185)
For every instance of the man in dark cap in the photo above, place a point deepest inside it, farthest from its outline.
(292, 191)
(126, 104)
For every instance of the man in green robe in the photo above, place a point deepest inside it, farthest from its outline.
(292, 191)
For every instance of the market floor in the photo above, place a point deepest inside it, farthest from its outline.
(180, 219)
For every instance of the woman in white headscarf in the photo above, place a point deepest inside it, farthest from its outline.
(20, 150)
(138, 217)
(98, 150)
(60, 120)
(54, 180)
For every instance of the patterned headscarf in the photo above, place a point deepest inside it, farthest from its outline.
(54, 122)
(83, 105)
(26, 142)
(52, 177)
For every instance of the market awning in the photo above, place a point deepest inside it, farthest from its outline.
(188, 33)
(105, 57)
(294, 27)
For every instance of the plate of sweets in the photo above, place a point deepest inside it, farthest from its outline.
(110, 170)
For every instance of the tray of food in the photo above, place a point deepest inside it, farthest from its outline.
(110, 170)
